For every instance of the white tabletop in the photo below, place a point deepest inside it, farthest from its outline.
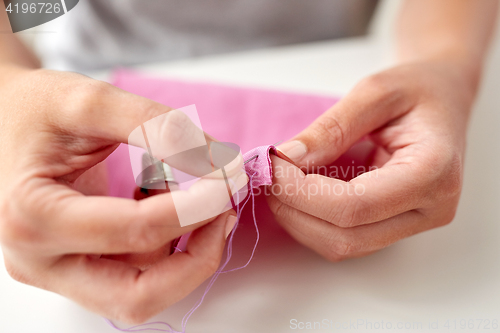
(446, 277)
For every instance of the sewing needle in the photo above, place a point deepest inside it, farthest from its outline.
(251, 158)
(255, 156)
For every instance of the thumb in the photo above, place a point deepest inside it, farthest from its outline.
(367, 107)
(116, 116)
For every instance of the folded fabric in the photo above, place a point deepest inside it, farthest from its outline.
(259, 167)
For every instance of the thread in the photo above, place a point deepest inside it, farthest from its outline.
(229, 252)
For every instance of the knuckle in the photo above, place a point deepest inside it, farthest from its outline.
(285, 215)
(94, 88)
(134, 314)
(136, 305)
(142, 236)
(448, 217)
(453, 176)
(331, 129)
(344, 247)
(90, 91)
(338, 252)
(152, 110)
(380, 83)
(4, 220)
(273, 204)
(144, 239)
(447, 179)
(349, 215)
(14, 229)
(340, 246)
(334, 214)
(85, 96)
(332, 256)
(177, 130)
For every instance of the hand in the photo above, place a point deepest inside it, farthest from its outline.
(416, 115)
(55, 128)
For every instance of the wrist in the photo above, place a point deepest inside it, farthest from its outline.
(462, 67)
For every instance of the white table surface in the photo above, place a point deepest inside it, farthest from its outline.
(452, 273)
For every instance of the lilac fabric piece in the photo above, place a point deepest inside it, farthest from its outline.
(259, 169)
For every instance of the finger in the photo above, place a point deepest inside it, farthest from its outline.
(69, 222)
(402, 184)
(372, 103)
(142, 261)
(100, 110)
(118, 291)
(336, 243)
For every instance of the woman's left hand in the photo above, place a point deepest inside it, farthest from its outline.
(416, 115)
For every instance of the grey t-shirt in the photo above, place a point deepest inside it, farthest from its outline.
(104, 33)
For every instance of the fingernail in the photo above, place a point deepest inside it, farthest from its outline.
(230, 222)
(295, 150)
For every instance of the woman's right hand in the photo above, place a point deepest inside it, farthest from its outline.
(55, 127)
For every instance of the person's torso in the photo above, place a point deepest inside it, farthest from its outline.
(104, 33)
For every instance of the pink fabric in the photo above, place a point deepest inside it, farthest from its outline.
(259, 168)
(246, 116)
